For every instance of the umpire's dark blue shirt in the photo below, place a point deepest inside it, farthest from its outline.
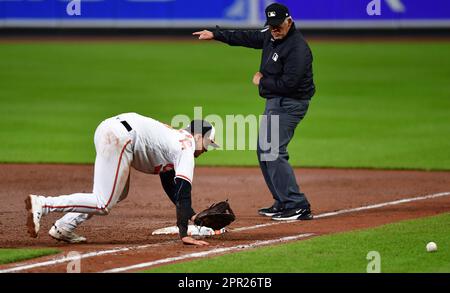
(286, 64)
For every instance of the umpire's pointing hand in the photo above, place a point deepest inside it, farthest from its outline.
(204, 35)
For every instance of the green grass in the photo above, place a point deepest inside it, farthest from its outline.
(10, 255)
(401, 247)
(378, 105)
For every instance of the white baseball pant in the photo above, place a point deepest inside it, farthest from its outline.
(114, 148)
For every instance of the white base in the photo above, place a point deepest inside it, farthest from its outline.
(192, 231)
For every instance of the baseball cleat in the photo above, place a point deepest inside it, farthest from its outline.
(269, 212)
(294, 214)
(61, 234)
(34, 208)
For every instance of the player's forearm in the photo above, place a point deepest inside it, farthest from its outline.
(168, 184)
(184, 214)
(183, 205)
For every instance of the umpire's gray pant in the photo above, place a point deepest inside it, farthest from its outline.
(277, 172)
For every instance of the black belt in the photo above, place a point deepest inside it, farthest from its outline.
(127, 126)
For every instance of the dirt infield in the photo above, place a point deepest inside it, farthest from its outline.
(129, 225)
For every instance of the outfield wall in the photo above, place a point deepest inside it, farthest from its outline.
(318, 14)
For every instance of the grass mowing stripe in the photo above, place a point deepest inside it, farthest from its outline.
(401, 246)
(10, 255)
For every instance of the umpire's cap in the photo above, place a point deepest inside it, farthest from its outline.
(276, 13)
(204, 128)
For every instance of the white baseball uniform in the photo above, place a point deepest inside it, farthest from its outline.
(122, 141)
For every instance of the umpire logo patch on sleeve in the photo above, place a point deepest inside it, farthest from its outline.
(275, 57)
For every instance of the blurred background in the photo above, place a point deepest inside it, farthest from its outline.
(328, 14)
(381, 67)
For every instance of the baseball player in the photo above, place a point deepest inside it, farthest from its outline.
(124, 141)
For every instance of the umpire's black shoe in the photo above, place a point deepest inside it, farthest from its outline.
(294, 214)
(269, 212)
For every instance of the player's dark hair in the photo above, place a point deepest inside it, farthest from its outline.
(199, 127)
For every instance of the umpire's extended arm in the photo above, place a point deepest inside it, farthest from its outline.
(286, 64)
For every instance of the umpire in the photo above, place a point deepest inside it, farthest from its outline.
(285, 80)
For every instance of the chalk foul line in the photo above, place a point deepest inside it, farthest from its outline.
(347, 211)
(64, 259)
(208, 253)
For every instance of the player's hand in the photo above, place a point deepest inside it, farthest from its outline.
(257, 77)
(191, 241)
(204, 35)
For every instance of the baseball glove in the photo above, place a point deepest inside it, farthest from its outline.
(217, 216)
